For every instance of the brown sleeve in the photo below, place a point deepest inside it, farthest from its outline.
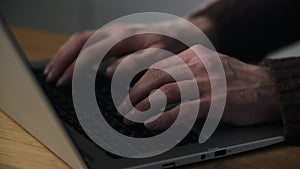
(286, 74)
(250, 29)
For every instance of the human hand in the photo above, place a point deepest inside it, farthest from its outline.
(250, 98)
(62, 63)
(60, 68)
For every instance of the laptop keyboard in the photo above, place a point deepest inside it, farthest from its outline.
(61, 99)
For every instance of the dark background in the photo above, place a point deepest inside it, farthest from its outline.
(69, 16)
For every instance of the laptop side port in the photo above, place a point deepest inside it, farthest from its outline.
(220, 153)
(203, 157)
(168, 165)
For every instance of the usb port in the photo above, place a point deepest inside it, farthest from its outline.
(220, 153)
(168, 165)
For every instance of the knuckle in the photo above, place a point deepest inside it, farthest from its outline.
(80, 36)
(153, 70)
(168, 90)
(77, 35)
(155, 65)
(150, 74)
(87, 33)
(193, 65)
(143, 105)
(198, 47)
(120, 28)
(158, 77)
(165, 119)
(117, 25)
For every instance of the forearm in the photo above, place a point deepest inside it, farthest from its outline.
(249, 29)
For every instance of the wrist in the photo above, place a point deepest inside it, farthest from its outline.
(272, 97)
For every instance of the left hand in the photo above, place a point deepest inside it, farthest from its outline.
(60, 69)
(250, 99)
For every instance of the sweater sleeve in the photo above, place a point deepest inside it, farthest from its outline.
(286, 75)
(250, 29)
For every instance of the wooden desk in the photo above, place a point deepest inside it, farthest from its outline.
(19, 150)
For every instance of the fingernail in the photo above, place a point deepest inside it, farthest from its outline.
(50, 77)
(152, 125)
(61, 82)
(46, 70)
(123, 108)
(109, 71)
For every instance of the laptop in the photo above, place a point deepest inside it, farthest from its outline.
(47, 113)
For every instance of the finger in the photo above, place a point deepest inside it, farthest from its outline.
(181, 58)
(172, 93)
(65, 56)
(154, 79)
(97, 45)
(177, 92)
(166, 119)
(66, 77)
(144, 57)
(117, 44)
(111, 68)
(90, 55)
(69, 52)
